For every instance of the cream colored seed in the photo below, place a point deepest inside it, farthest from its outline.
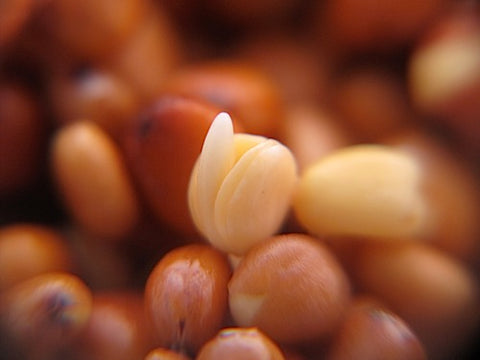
(241, 187)
(440, 70)
(364, 190)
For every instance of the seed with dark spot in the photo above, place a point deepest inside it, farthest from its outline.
(56, 307)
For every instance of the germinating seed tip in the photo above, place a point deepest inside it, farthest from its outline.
(240, 188)
(224, 120)
(212, 166)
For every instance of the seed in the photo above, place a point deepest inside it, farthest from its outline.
(362, 190)
(240, 188)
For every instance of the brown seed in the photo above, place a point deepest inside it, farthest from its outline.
(85, 92)
(291, 62)
(92, 29)
(42, 315)
(375, 26)
(101, 264)
(13, 16)
(162, 145)
(452, 191)
(370, 103)
(150, 53)
(186, 296)
(117, 329)
(433, 293)
(250, 12)
(242, 91)
(165, 354)
(29, 250)
(291, 287)
(370, 331)
(22, 138)
(239, 344)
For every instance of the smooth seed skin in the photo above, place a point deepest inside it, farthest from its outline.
(186, 296)
(294, 354)
(13, 16)
(117, 328)
(239, 180)
(92, 29)
(165, 354)
(30, 250)
(85, 92)
(375, 27)
(290, 287)
(370, 331)
(363, 190)
(101, 264)
(238, 344)
(22, 138)
(92, 177)
(242, 91)
(276, 54)
(161, 145)
(248, 13)
(435, 294)
(451, 190)
(41, 315)
(371, 103)
(240, 188)
(155, 46)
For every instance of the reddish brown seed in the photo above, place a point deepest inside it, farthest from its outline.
(249, 13)
(90, 93)
(436, 295)
(370, 331)
(186, 296)
(292, 353)
(117, 329)
(372, 25)
(150, 53)
(22, 134)
(27, 250)
(165, 354)
(244, 92)
(101, 264)
(300, 74)
(370, 103)
(93, 179)
(291, 287)
(162, 145)
(239, 344)
(13, 15)
(39, 317)
(451, 189)
(92, 29)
